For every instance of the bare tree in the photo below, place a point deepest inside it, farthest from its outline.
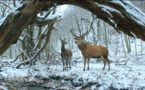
(47, 37)
(114, 13)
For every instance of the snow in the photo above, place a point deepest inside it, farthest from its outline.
(2, 20)
(12, 12)
(14, 72)
(130, 75)
(108, 9)
(133, 11)
(60, 10)
(113, 22)
(3, 88)
(133, 34)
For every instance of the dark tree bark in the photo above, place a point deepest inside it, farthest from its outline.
(120, 18)
(47, 38)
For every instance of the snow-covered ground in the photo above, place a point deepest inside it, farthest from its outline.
(121, 76)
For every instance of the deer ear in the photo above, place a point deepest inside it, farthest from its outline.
(60, 39)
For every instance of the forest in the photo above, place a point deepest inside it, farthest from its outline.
(72, 44)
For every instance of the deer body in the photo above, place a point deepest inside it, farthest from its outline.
(92, 51)
(66, 55)
(89, 50)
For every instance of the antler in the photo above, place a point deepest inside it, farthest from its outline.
(85, 33)
(72, 32)
(91, 26)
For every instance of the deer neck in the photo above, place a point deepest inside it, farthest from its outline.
(82, 46)
(63, 48)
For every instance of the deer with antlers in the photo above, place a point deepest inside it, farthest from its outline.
(66, 55)
(91, 51)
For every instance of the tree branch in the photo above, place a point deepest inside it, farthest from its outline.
(46, 41)
(119, 15)
(40, 22)
(16, 58)
(5, 5)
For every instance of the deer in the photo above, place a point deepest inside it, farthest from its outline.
(66, 55)
(91, 51)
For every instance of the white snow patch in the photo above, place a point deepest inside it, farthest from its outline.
(120, 76)
(113, 22)
(108, 9)
(134, 12)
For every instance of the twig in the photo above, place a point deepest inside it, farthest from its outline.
(6, 5)
(126, 62)
(55, 50)
(25, 63)
(16, 58)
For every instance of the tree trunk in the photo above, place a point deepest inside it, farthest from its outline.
(116, 13)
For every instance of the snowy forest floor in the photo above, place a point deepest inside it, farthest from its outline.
(130, 75)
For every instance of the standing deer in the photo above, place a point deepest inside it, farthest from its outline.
(66, 55)
(91, 51)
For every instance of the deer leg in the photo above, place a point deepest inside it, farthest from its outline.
(63, 64)
(84, 63)
(88, 63)
(103, 62)
(108, 64)
(69, 63)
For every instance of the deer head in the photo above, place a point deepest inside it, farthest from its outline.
(63, 41)
(79, 39)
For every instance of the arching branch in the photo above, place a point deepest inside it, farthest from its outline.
(120, 14)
